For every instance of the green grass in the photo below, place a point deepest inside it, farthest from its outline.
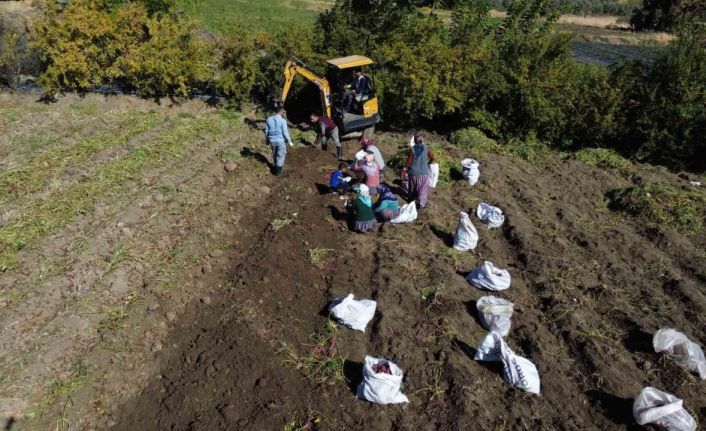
(46, 216)
(33, 175)
(66, 387)
(323, 364)
(476, 141)
(606, 158)
(662, 204)
(233, 16)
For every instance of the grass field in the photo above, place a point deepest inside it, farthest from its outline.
(232, 16)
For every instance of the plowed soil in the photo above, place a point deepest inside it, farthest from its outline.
(590, 290)
(215, 337)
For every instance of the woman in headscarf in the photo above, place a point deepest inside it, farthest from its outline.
(417, 170)
(369, 146)
(371, 169)
(361, 209)
(386, 208)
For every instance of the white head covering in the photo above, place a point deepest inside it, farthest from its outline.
(363, 190)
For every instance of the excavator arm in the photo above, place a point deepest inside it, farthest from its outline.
(295, 66)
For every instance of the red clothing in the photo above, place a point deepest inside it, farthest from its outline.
(327, 125)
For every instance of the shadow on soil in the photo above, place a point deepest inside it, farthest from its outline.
(354, 374)
(614, 408)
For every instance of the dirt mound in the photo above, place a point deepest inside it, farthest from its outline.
(590, 287)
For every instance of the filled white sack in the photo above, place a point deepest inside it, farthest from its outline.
(495, 314)
(381, 388)
(466, 235)
(353, 313)
(487, 276)
(490, 215)
(470, 169)
(360, 155)
(408, 213)
(663, 409)
(518, 371)
(684, 351)
(434, 175)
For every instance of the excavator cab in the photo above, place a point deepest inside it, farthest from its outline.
(347, 91)
(353, 100)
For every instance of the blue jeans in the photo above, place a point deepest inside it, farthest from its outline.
(279, 153)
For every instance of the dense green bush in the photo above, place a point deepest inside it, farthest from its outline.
(663, 105)
(579, 7)
(475, 140)
(662, 204)
(9, 65)
(90, 43)
(666, 14)
(239, 65)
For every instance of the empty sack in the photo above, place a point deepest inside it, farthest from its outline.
(434, 175)
(353, 313)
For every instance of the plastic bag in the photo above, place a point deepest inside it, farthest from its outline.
(663, 409)
(490, 215)
(677, 345)
(408, 213)
(495, 314)
(434, 176)
(470, 170)
(381, 388)
(353, 313)
(489, 277)
(518, 371)
(466, 235)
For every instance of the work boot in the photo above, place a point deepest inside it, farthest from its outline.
(324, 147)
(339, 153)
(278, 171)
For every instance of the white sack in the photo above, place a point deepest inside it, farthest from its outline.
(495, 314)
(434, 176)
(360, 155)
(470, 170)
(353, 313)
(466, 235)
(381, 388)
(489, 277)
(677, 345)
(411, 141)
(490, 215)
(518, 371)
(408, 213)
(665, 410)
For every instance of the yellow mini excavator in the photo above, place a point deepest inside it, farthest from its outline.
(347, 91)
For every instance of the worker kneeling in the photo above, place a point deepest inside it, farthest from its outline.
(326, 131)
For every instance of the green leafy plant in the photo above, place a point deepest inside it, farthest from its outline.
(662, 204)
(606, 158)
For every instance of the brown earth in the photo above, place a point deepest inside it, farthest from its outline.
(590, 289)
(219, 299)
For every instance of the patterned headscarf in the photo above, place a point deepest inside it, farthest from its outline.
(386, 194)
